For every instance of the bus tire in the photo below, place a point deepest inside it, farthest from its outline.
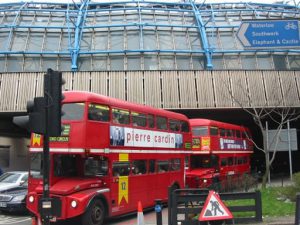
(95, 213)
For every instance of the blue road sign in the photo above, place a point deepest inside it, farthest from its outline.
(269, 34)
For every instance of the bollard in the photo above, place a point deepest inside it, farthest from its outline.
(158, 209)
(297, 216)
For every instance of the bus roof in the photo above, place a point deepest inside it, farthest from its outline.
(83, 96)
(207, 122)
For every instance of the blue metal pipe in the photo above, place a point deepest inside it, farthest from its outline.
(206, 47)
(78, 34)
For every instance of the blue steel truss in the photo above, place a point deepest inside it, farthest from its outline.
(76, 15)
(74, 46)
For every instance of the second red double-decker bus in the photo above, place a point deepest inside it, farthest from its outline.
(220, 154)
(111, 154)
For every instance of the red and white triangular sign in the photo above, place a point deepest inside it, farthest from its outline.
(214, 209)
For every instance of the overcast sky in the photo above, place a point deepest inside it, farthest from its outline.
(207, 1)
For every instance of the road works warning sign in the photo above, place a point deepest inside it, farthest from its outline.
(214, 209)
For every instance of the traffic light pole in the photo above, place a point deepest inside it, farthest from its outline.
(46, 204)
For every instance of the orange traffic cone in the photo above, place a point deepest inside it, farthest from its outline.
(140, 215)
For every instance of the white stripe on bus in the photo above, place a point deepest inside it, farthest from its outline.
(81, 150)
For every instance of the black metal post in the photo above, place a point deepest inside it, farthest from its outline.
(158, 209)
(169, 204)
(258, 206)
(297, 214)
(46, 203)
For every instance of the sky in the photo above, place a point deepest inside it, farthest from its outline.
(207, 1)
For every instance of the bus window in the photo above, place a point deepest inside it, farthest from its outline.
(121, 169)
(98, 112)
(138, 119)
(200, 131)
(151, 121)
(198, 161)
(224, 162)
(95, 166)
(238, 134)
(163, 166)
(73, 111)
(174, 125)
(244, 134)
(175, 165)
(36, 165)
(222, 132)
(240, 160)
(185, 126)
(161, 123)
(120, 116)
(230, 161)
(65, 165)
(213, 131)
(139, 167)
(152, 166)
(229, 133)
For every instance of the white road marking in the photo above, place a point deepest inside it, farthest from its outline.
(4, 220)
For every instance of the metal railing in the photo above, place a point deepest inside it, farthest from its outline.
(186, 204)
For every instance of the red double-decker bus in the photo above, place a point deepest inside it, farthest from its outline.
(220, 154)
(110, 155)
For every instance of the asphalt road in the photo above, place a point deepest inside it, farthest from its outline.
(14, 219)
(149, 219)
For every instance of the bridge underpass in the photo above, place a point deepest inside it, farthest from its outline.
(206, 94)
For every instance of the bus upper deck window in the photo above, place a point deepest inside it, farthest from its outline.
(120, 116)
(213, 131)
(151, 121)
(200, 131)
(174, 125)
(185, 126)
(138, 119)
(73, 111)
(229, 133)
(244, 135)
(161, 123)
(222, 132)
(238, 134)
(98, 112)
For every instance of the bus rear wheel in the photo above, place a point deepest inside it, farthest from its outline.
(95, 213)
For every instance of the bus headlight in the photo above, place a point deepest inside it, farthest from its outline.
(204, 181)
(74, 204)
(31, 199)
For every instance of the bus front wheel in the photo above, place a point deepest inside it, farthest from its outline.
(95, 213)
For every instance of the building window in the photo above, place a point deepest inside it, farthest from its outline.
(4, 156)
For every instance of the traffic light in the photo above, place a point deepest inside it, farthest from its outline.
(53, 89)
(36, 110)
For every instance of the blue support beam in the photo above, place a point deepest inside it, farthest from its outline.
(13, 26)
(78, 29)
(202, 31)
